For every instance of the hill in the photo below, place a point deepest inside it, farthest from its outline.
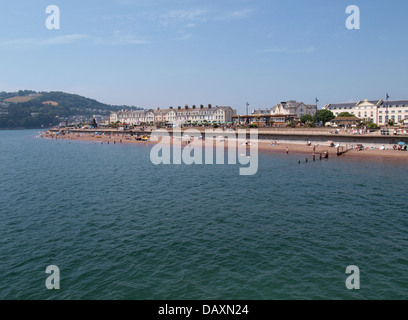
(30, 109)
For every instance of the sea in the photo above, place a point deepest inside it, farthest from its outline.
(118, 227)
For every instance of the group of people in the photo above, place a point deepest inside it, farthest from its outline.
(400, 147)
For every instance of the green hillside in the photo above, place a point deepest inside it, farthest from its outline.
(37, 112)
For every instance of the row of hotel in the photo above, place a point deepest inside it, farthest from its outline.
(177, 115)
(374, 111)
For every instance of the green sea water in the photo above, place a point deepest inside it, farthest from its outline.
(119, 227)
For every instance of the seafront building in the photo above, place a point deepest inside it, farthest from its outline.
(375, 111)
(279, 115)
(175, 116)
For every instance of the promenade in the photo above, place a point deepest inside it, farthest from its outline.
(373, 138)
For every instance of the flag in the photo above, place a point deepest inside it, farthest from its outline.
(388, 96)
(247, 104)
(317, 100)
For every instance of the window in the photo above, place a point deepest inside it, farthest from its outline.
(380, 119)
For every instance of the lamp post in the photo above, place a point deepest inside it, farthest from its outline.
(247, 113)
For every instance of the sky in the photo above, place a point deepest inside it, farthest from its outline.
(161, 53)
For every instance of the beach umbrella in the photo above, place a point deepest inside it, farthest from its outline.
(402, 143)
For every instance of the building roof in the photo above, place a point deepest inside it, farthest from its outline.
(365, 102)
(396, 102)
(341, 105)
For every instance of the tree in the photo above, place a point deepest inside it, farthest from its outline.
(306, 118)
(324, 116)
(345, 115)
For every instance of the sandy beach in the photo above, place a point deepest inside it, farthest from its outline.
(263, 146)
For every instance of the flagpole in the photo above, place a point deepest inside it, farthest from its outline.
(386, 108)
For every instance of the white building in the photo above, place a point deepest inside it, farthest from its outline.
(375, 111)
(174, 116)
(292, 109)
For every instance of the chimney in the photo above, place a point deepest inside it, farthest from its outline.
(179, 107)
(209, 106)
(201, 107)
(171, 108)
(194, 106)
(186, 107)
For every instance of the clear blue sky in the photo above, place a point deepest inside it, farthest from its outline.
(158, 53)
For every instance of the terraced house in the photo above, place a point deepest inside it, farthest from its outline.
(178, 116)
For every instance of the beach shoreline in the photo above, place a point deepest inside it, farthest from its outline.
(264, 146)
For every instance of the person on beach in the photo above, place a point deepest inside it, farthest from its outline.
(287, 150)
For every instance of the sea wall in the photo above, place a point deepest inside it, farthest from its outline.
(288, 135)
